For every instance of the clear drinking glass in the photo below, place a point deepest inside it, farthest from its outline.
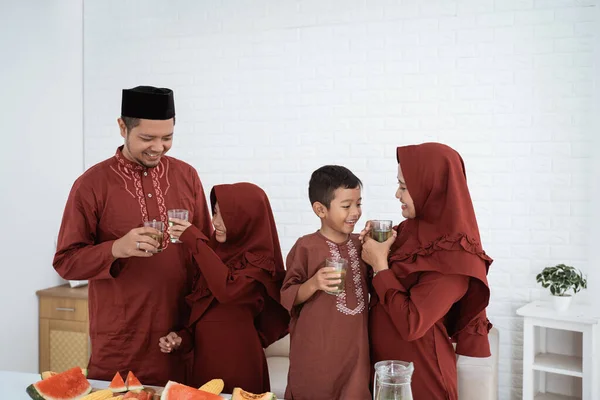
(381, 230)
(179, 214)
(160, 227)
(340, 265)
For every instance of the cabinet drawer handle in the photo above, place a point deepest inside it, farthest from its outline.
(65, 309)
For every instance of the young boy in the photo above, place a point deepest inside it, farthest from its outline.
(329, 354)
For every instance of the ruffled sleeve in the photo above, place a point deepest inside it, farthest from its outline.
(222, 283)
(453, 242)
(261, 261)
(413, 312)
(473, 341)
(234, 282)
(272, 321)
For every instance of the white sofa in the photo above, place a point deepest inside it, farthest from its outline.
(279, 362)
(477, 377)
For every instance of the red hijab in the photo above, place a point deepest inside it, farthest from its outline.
(444, 236)
(252, 249)
(251, 231)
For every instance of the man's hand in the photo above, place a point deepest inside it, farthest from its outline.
(136, 243)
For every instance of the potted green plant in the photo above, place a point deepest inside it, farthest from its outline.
(562, 279)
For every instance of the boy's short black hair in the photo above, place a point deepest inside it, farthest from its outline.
(325, 180)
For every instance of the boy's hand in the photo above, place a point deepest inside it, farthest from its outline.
(365, 232)
(326, 279)
(169, 343)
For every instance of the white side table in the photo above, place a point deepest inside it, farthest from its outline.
(536, 357)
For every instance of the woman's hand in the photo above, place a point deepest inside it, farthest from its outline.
(179, 225)
(376, 254)
(365, 232)
(169, 343)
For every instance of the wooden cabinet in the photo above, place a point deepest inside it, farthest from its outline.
(64, 328)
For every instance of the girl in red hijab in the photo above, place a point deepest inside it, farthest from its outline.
(430, 283)
(235, 310)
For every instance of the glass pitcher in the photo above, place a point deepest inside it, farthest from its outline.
(392, 380)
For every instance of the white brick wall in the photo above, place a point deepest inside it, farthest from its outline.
(594, 222)
(267, 91)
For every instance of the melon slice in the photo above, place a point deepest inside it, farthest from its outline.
(68, 385)
(177, 391)
(133, 384)
(239, 394)
(117, 385)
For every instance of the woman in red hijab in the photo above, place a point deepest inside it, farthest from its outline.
(431, 289)
(235, 309)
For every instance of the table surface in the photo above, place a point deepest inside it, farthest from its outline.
(13, 384)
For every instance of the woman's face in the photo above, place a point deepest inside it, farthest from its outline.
(217, 221)
(408, 207)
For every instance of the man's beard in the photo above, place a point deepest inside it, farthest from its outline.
(138, 160)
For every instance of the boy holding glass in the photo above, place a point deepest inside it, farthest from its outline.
(329, 353)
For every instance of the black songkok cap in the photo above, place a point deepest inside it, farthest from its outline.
(148, 102)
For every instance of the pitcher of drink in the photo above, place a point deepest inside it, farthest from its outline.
(392, 380)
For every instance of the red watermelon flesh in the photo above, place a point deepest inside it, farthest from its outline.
(139, 396)
(145, 394)
(117, 385)
(177, 391)
(133, 383)
(71, 384)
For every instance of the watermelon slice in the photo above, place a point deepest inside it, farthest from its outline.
(68, 385)
(177, 391)
(48, 374)
(133, 384)
(239, 394)
(146, 394)
(117, 385)
(139, 396)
